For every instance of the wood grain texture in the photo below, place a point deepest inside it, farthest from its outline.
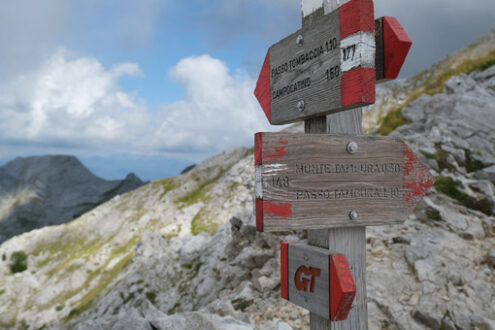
(314, 70)
(355, 16)
(309, 267)
(284, 262)
(349, 123)
(379, 55)
(350, 242)
(358, 87)
(311, 181)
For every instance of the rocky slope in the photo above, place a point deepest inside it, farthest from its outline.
(49, 190)
(183, 253)
(385, 115)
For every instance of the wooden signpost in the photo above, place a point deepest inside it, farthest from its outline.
(332, 185)
(308, 276)
(312, 181)
(330, 64)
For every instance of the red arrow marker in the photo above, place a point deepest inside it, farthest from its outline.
(396, 46)
(342, 288)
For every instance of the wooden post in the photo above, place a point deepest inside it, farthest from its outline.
(349, 241)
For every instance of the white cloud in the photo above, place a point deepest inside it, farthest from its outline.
(75, 104)
(219, 109)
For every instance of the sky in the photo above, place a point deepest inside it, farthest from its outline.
(152, 86)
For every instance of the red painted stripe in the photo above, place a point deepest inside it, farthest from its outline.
(263, 90)
(356, 15)
(358, 87)
(417, 179)
(259, 215)
(258, 148)
(282, 210)
(396, 45)
(284, 268)
(342, 288)
(278, 151)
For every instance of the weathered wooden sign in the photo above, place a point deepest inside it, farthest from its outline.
(317, 280)
(311, 181)
(327, 66)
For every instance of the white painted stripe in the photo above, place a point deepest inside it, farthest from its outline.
(331, 5)
(258, 185)
(359, 51)
(309, 6)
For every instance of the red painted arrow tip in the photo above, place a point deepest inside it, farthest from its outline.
(417, 179)
(263, 92)
(396, 46)
(342, 287)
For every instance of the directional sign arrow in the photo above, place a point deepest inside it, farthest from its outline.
(312, 181)
(392, 47)
(327, 66)
(316, 279)
(336, 69)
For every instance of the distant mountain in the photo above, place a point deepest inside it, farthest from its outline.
(49, 190)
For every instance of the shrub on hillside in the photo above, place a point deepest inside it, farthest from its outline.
(18, 262)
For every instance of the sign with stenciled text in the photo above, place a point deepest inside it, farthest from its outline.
(327, 66)
(311, 181)
(317, 280)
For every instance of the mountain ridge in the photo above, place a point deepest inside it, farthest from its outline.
(47, 190)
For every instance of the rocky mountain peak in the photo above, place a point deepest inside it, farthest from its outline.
(46, 190)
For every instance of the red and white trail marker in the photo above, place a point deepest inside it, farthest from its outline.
(316, 279)
(315, 181)
(327, 66)
(331, 64)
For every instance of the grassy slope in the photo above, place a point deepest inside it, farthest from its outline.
(478, 56)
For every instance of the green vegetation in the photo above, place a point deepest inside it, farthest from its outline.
(4, 257)
(436, 83)
(440, 156)
(200, 223)
(433, 214)
(391, 121)
(59, 307)
(23, 325)
(174, 309)
(433, 82)
(18, 262)
(218, 276)
(2, 291)
(193, 269)
(399, 240)
(173, 233)
(203, 187)
(106, 277)
(167, 185)
(472, 165)
(241, 304)
(450, 187)
(151, 295)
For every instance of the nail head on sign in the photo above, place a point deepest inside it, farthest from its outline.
(300, 106)
(299, 40)
(353, 215)
(352, 147)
